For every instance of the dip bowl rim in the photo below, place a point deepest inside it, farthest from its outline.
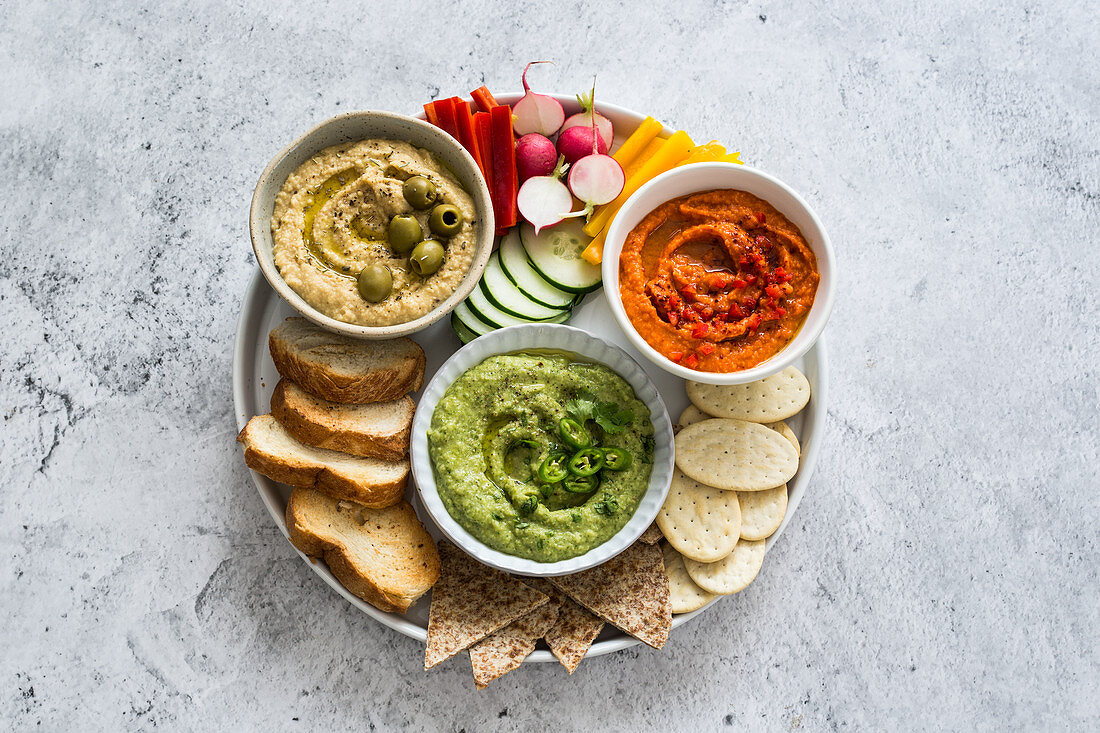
(543, 336)
(695, 178)
(328, 133)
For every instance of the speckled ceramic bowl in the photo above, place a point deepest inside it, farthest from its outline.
(563, 338)
(704, 177)
(366, 125)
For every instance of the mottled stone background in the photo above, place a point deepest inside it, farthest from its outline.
(942, 571)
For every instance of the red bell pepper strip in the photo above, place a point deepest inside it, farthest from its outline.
(430, 115)
(465, 123)
(483, 132)
(445, 110)
(484, 99)
(505, 179)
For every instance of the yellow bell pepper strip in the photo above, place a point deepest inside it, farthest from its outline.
(734, 158)
(593, 253)
(705, 153)
(646, 131)
(671, 152)
(643, 157)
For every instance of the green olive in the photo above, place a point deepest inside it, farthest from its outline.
(445, 220)
(375, 283)
(426, 258)
(403, 233)
(420, 192)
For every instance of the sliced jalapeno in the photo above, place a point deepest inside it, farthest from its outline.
(581, 484)
(617, 459)
(553, 468)
(586, 462)
(573, 433)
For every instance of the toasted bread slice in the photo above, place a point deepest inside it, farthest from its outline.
(342, 369)
(271, 450)
(375, 430)
(384, 556)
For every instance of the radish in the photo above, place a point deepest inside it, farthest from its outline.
(576, 142)
(535, 156)
(536, 112)
(545, 200)
(595, 179)
(587, 114)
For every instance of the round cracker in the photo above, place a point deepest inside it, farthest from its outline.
(692, 415)
(762, 512)
(785, 430)
(735, 455)
(731, 574)
(685, 595)
(770, 399)
(700, 521)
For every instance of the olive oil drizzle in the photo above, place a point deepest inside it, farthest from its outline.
(323, 252)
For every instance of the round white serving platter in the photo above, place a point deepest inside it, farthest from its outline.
(255, 377)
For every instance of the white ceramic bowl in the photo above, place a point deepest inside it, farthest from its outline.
(366, 125)
(543, 336)
(705, 177)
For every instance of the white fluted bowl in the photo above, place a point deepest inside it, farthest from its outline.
(563, 338)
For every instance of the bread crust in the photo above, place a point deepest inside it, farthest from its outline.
(377, 384)
(293, 472)
(309, 526)
(310, 428)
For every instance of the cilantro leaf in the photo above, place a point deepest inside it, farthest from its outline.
(583, 407)
(608, 415)
(612, 418)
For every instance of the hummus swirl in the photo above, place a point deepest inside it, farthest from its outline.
(717, 281)
(500, 420)
(330, 222)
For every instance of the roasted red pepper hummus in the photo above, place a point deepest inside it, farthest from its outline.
(717, 281)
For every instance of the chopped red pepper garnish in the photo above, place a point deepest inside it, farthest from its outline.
(676, 356)
(706, 349)
(699, 330)
(719, 281)
(692, 361)
(673, 317)
(739, 282)
(773, 291)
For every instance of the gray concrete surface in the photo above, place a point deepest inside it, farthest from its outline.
(942, 572)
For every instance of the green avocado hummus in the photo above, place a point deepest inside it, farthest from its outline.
(511, 415)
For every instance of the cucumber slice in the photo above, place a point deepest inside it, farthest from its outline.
(462, 314)
(486, 311)
(464, 334)
(504, 294)
(556, 254)
(514, 262)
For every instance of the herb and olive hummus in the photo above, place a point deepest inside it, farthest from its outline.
(539, 455)
(374, 233)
